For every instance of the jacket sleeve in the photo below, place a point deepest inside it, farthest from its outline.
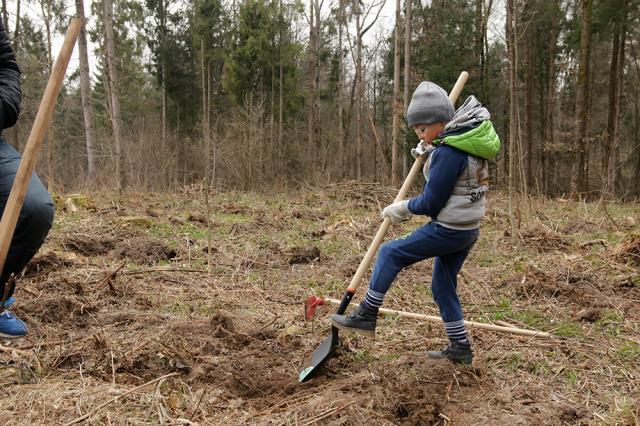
(10, 93)
(446, 165)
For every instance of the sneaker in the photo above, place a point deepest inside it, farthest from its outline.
(10, 301)
(361, 320)
(10, 326)
(455, 352)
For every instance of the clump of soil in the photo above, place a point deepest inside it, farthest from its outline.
(58, 310)
(197, 218)
(629, 249)
(144, 251)
(590, 315)
(88, 245)
(543, 240)
(303, 254)
(231, 208)
(221, 324)
(416, 398)
(569, 286)
(48, 261)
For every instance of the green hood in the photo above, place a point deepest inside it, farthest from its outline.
(482, 141)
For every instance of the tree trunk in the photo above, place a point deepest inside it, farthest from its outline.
(358, 90)
(549, 127)
(85, 92)
(279, 155)
(485, 47)
(582, 99)
(528, 104)
(51, 130)
(479, 35)
(312, 75)
(341, 145)
(5, 16)
(408, 4)
(513, 111)
(163, 77)
(16, 48)
(612, 113)
(16, 31)
(615, 169)
(636, 138)
(115, 101)
(396, 99)
(316, 84)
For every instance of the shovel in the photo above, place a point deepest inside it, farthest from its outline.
(34, 144)
(328, 346)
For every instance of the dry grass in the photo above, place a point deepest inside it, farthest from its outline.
(127, 326)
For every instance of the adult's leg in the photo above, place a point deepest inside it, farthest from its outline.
(35, 220)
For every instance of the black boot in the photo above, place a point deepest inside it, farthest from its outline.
(455, 352)
(361, 320)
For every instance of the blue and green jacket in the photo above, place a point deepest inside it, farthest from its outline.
(457, 170)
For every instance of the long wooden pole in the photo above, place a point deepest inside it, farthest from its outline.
(34, 143)
(471, 324)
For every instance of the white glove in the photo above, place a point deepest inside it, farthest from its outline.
(421, 149)
(397, 212)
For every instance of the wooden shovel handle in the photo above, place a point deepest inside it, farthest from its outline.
(402, 194)
(34, 143)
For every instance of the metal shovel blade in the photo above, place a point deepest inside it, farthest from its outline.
(321, 354)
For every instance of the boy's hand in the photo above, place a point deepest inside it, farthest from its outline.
(421, 149)
(397, 212)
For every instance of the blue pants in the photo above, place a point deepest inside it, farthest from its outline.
(35, 220)
(450, 247)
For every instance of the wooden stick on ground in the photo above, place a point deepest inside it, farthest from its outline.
(115, 398)
(471, 324)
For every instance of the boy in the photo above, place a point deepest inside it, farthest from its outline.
(457, 177)
(36, 215)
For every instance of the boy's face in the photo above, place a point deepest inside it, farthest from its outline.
(428, 132)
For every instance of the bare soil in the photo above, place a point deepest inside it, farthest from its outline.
(130, 293)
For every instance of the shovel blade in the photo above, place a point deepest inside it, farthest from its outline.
(321, 354)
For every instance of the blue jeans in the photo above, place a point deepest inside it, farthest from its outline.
(450, 247)
(35, 220)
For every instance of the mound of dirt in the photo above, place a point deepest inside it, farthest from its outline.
(59, 311)
(46, 262)
(144, 251)
(303, 254)
(629, 249)
(543, 240)
(570, 286)
(221, 324)
(413, 391)
(88, 245)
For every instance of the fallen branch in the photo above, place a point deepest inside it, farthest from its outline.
(144, 271)
(115, 398)
(471, 324)
(9, 349)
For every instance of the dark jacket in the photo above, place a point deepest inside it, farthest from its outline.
(9, 82)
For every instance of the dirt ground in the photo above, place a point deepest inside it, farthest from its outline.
(129, 323)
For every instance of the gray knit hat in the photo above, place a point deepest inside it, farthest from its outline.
(429, 104)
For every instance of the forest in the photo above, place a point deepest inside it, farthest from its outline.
(213, 164)
(257, 94)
